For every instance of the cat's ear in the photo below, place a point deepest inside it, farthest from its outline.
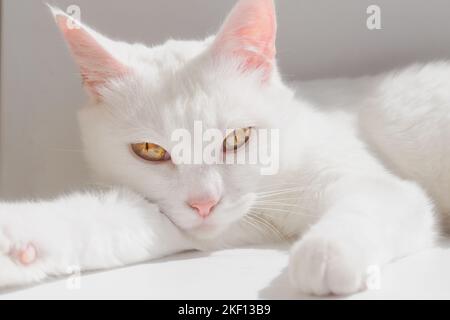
(249, 34)
(97, 65)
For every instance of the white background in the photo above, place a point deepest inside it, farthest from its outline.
(40, 87)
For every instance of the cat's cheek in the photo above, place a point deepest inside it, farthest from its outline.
(324, 266)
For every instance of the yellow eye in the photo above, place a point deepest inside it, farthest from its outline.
(236, 139)
(150, 151)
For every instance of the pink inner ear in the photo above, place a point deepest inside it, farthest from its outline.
(96, 64)
(249, 32)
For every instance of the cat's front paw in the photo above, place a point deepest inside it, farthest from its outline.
(17, 262)
(323, 266)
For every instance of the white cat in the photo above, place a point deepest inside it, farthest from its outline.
(357, 160)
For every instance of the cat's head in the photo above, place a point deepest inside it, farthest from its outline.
(141, 98)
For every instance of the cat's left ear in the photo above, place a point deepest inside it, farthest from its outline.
(97, 65)
(249, 34)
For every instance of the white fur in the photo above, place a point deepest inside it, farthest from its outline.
(358, 158)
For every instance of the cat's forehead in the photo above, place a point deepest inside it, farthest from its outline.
(172, 88)
(185, 96)
(170, 56)
(155, 111)
(179, 104)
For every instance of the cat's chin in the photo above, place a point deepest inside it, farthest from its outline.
(206, 231)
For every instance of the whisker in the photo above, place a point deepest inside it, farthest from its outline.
(271, 209)
(272, 193)
(252, 224)
(267, 224)
(280, 189)
(277, 184)
(275, 198)
(303, 211)
(281, 204)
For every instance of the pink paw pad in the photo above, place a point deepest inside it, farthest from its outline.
(26, 255)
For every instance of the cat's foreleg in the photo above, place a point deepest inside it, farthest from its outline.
(81, 232)
(366, 222)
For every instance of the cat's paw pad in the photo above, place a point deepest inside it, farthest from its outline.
(23, 253)
(323, 266)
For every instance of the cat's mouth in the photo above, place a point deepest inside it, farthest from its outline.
(215, 224)
(205, 229)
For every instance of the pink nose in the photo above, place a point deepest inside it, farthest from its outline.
(203, 207)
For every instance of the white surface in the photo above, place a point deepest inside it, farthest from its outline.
(240, 274)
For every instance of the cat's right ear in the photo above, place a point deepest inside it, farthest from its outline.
(248, 34)
(97, 65)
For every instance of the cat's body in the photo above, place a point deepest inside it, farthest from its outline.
(402, 116)
(347, 149)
